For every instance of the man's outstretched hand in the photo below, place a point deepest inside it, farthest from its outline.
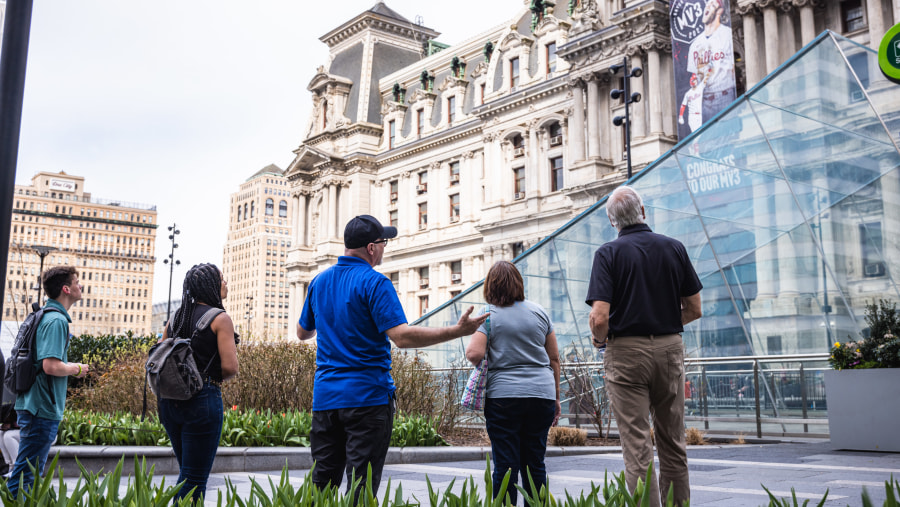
(468, 325)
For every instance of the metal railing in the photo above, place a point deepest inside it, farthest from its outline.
(764, 395)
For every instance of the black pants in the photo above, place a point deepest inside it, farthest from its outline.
(350, 439)
(518, 430)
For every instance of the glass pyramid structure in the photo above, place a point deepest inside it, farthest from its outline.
(788, 203)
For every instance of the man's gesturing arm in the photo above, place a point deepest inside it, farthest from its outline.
(406, 336)
(690, 309)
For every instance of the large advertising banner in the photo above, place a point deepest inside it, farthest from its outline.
(703, 51)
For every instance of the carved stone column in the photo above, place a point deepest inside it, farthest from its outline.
(654, 98)
(295, 226)
(770, 34)
(788, 33)
(603, 120)
(533, 169)
(638, 111)
(751, 47)
(876, 23)
(576, 125)
(593, 130)
(332, 212)
(300, 217)
(807, 21)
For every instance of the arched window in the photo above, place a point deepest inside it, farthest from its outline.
(252, 209)
(282, 209)
(270, 207)
(246, 216)
(239, 213)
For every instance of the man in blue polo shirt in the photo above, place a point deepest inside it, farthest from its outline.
(40, 409)
(643, 290)
(353, 310)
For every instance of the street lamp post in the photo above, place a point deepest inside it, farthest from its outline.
(172, 263)
(42, 252)
(630, 98)
(249, 305)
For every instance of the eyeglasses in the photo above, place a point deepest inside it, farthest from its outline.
(382, 241)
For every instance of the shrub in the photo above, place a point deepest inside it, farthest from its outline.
(566, 437)
(880, 350)
(240, 428)
(695, 436)
(276, 376)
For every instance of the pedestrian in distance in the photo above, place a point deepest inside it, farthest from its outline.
(40, 409)
(642, 291)
(195, 425)
(522, 393)
(354, 313)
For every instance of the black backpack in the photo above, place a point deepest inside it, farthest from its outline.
(21, 371)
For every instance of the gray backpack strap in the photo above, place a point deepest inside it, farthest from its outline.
(204, 322)
(207, 318)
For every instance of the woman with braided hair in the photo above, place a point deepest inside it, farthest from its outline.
(195, 426)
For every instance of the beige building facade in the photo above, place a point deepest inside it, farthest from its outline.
(480, 150)
(110, 242)
(259, 236)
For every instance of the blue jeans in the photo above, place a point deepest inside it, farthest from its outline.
(518, 430)
(35, 438)
(194, 426)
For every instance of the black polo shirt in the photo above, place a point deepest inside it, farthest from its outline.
(643, 276)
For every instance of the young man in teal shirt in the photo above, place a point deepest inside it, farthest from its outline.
(41, 408)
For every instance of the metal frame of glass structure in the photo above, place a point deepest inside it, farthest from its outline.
(788, 203)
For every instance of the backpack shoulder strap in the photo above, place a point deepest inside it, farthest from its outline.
(206, 320)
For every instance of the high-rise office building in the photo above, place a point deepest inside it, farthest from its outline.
(109, 241)
(259, 227)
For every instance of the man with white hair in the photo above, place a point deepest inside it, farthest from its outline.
(642, 291)
(711, 58)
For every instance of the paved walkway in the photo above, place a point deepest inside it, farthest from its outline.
(721, 475)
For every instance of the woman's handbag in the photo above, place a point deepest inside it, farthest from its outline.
(476, 386)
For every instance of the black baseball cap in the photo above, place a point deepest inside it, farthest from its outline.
(365, 229)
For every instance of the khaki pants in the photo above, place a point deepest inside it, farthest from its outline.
(644, 376)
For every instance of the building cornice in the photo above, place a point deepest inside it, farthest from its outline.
(462, 131)
(377, 22)
(521, 97)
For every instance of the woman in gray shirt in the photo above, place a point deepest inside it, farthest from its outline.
(522, 399)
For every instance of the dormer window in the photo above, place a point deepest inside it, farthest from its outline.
(420, 121)
(551, 58)
(324, 114)
(513, 73)
(451, 110)
(392, 129)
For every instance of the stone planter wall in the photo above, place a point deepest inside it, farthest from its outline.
(864, 409)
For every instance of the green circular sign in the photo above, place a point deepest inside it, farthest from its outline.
(889, 54)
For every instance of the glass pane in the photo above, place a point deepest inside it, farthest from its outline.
(882, 94)
(818, 154)
(788, 296)
(746, 197)
(720, 333)
(820, 86)
(736, 140)
(593, 229)
(664, 187)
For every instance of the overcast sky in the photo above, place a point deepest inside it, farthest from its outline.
(176, 102)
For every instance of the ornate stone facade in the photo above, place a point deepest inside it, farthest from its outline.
(501, 139)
